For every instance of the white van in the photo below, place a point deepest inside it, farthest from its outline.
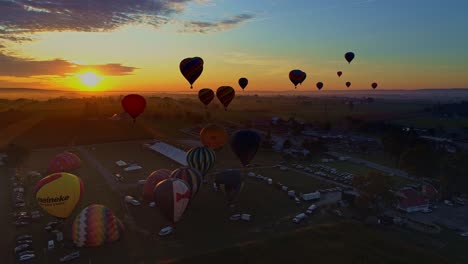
(311, 209)
(298, 218)
(50, 245)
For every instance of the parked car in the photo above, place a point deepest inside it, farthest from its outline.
(129, 199)
(25, 252)
(26, 257)
(427, 210)
(298, 218)
(28, 241)
(448, 202)
(71, 256)
(22, 237)
(51, 226)
(20, 204)
(165, 231)
(459, 201)
(311, 209)
(22, 247)
(464, 234)
(21, 223)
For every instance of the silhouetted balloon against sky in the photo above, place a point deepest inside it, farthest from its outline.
(206, 96)
(243, 83)
(348, 84)
(320, 85)
(374, 85)
(339, 73)
(191, 69)
(225, 95)
(134, 105)
(297, 77)
(349, 56)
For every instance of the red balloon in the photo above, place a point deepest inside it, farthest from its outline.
(134, 105)
(374, 85)
(348, 84)
(339, 73)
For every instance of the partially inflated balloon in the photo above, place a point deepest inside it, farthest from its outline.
(245, 144)
(206, 96)
(191, 176)
(191, 69)
(349, 56)
(153, 179)
(201, 158)
(297, 77)
(64, 162)
(225, 95)
(59, 193)
(172, 197)
(243, 83)
(213, 136)
(374, 85)
(339, 73)
(319, 85)
(134, 105)
(95, 226)
(230, 182)
(348, 84)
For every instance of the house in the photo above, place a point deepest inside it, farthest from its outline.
(429, 191)
(410, 200)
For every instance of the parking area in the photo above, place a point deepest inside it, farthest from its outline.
(451, 217)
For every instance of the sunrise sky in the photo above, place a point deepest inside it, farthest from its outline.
(136, 45)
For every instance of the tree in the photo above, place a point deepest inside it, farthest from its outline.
(453, 176)
(16, 155)
(420, 161)
(374, 191)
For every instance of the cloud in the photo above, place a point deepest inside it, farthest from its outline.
(207, 27)
(21, 18)
(22, 67)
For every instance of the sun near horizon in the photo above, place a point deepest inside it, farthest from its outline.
(89, 80)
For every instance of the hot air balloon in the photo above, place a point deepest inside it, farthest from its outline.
(320, 85)
(243, 83)
(230, 182)
(206, 96)
(339, 73)
(95, 226)
(153, 179)
(245, 143)
(348, 84)
(191, 69)
(297, 77)
(134, 105)
(374, 85)
(59, 193)
(172, 197)
(349, 56)
(191, 176)
(201, 158)
(64, 162)
(213, 136)
(225, 95)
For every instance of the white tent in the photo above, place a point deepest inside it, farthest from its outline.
(121, 163)
(175, 154)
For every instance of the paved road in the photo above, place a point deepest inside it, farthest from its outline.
(388, 170)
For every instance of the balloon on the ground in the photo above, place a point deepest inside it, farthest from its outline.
(348, 84)
(172, 197)
(243, 82)
(134, 105)
(245, 144)
(225, 95)
(191, 69)
(339, 73)
(201, 159)
(206, 95)
(213, 136)
(319, 85)
(230, 182)
(96, 225)
(59, 193)
(349, 56)
(153, 179)
(64, 162)
(297, 77)
(374, 85)
(191, 176)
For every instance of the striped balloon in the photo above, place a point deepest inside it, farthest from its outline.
(297, 77)
(206, 95)
(95, 226)
(192, 177)
(172, 197)
(191, 69)
(153, 179)
(64, 162)
(201, 158)
(225, 95)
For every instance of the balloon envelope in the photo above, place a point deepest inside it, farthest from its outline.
(297, 77)
(59, 193)
(153, 179)
(64, 162)
(339, 73)
(201, 159)
(245, 143)
(348, 84)
(319, 85)
(374, 85)
(134, 105)
(230, 182)
(225, 95)
(191, 176)
(95, 226)
(349, 56)
(191, 69)
(213, 136)
(243, 83)
(206, 96)
(172, 197)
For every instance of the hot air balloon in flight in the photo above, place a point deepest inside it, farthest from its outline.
(172, 197)
(245, 144)
(153, 179)
(320, 85)
(225, 95)
(96, 225)
(297, 77)
(191, 69)
(374, 85)
(339, 73)
(201, 159)
(243, 83)
(213, 136)
(206, 95)
(59, 193)
(348, 84)
(191, 176)
(230, 182)
(134, 105)
(64, 162)
(349, 56)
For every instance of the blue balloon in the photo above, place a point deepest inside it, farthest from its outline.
(349, 56)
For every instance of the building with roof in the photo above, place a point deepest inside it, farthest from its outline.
(410, 200)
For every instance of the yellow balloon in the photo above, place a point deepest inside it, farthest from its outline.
(59, 193)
